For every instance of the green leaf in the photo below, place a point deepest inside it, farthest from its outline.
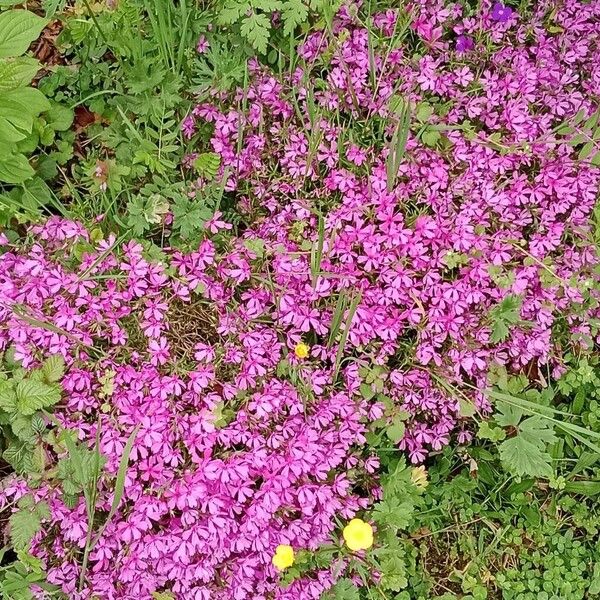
(525, 453)
(34, 395)
(233, 10)
(19, 456)
(507, 415)
(25, 523)
(59, 117)
(21, 427)
(38, 425)
(51, 7)
(53, 368)
(394, 512)
(504, 314)
(430, 137)
(586, 151)
(294, 13)
(18, 28)
(17, 72)
(395, 432)
(15, 168)
(594, 588)
(120, 482)
(255, 28)
(344, 589)
(31, 99)
(207, 164)
(8, 397)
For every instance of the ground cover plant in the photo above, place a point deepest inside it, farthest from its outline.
(299, 300)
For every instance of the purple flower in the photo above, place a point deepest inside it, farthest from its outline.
(464, 43)
(501, 13)
(202, 45)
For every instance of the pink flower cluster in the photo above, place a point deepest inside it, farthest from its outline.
(229, 461)
(243, 446)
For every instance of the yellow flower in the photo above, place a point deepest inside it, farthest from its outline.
(358, 535)
(283, 557)
(418, 476)
(301, 350)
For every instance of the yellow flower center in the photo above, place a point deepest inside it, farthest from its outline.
(283, 557)
(301, 350)
(358, 535)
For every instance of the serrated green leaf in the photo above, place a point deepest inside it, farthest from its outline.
(255, 28)
(24, 524)
(21, 427)
(522, 458)
(344, 589)
(53, 368)
(294, 13)
(18, 28)
(38, 424)
(8, 397)
(233, 10)
(430, 137)
(507, 415)
(19, 456)
(33, 395)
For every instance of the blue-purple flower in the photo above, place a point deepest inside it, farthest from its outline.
(501, 13)
(464, 43)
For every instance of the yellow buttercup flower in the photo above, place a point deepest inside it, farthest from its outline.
(358, 535)
(301, 350)
(283, 557)
(418, 476)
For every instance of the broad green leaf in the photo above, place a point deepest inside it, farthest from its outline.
(38, 424)
(18, 28)
(344, 589)
(16, 115)
(34, 395)
(59, 117)
(53, 368)
(15, 168)
(31, 99)
(507, 415)
(9, 133)
(17, 72)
